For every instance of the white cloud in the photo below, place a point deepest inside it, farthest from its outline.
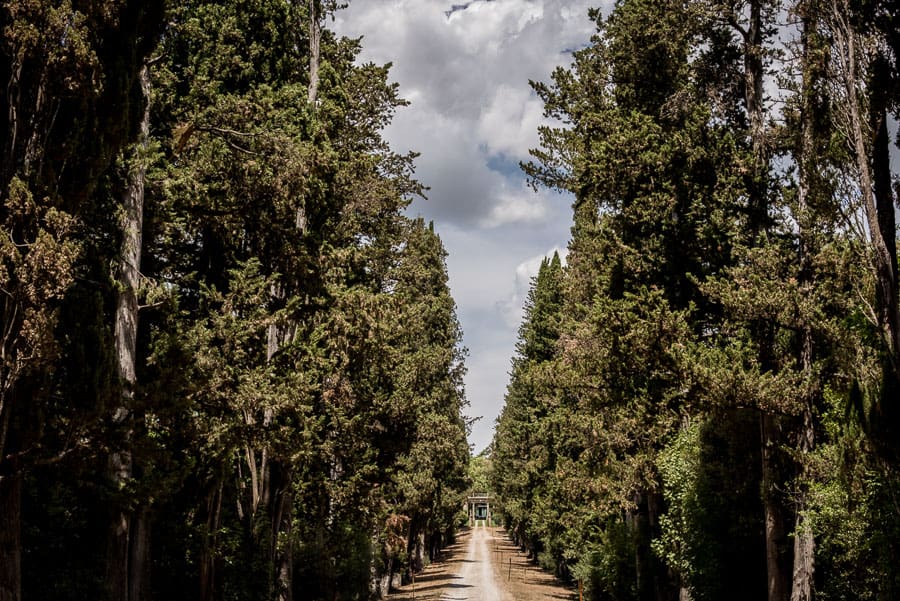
(472, 119)
(515, 208)
(508, 124)
(484, 28)
(516, 205)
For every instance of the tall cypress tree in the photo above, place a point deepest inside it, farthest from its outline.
(524, 470)
(64, 65)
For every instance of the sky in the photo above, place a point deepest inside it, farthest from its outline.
(465, 68)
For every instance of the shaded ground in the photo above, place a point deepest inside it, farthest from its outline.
(483, 565)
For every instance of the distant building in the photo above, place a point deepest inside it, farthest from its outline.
(478, 506)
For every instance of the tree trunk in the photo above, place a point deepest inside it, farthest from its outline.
(437, 543)
(208, 554)
(419, 554)
(753, 83)
(139, 555)
(128, 537)
(413, 548)
(754, 74)
(777, 577)
(804, 542)
(132, 224)
(10, 508)
(324, 570)
(804, 557)
(282, 534)
(665, 583)
(652, 577)
(13, 101)
(116, 579)
(11, 537)
(381, 564)
(642, 551)
(888, 410)
(865, 121)
(884, 207)
(315, 38)
(878, 212)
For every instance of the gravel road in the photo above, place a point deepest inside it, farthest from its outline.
(483, 565)
(476, 574)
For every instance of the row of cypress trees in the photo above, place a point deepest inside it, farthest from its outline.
(230, 364)
(704, 400)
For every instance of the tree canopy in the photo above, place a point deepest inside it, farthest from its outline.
(700, 403)
(232, 365)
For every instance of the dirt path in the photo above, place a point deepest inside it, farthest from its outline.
(483, 566)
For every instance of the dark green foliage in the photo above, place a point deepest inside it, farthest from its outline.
(854, 511)
(716, 294)
(298, 406)
(608, 572)
(712, 531)
(60, 514)
(521, 476)
(720, 350)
